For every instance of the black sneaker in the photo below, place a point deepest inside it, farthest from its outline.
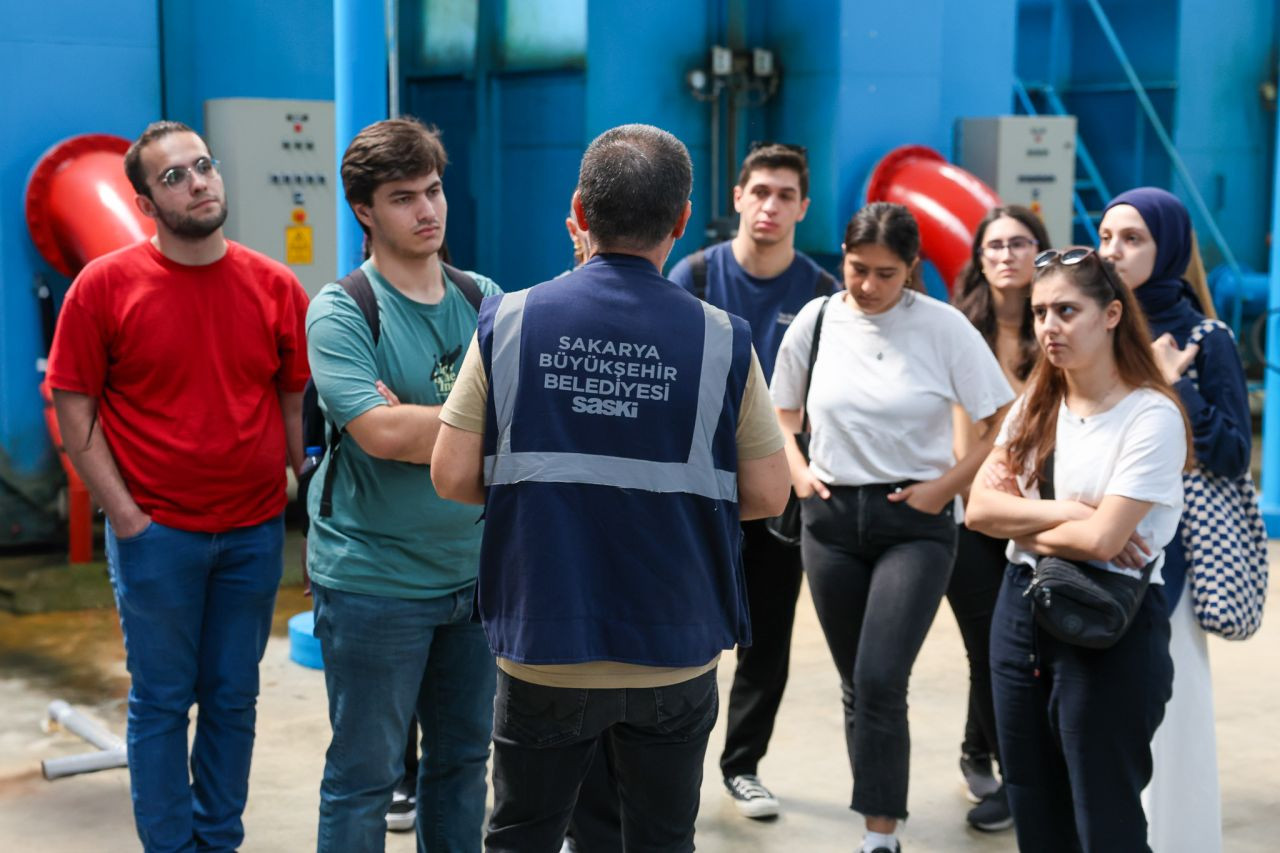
(404, 809)
(753, 799)
(992, 814)
(979, 780)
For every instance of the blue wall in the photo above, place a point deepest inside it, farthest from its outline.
(245, 49)
(68, 67)
(857, 80)
(1224, 134)
(72, 67)
(1201, 62)
(636, 66)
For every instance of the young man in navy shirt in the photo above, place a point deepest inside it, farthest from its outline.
(760, 276)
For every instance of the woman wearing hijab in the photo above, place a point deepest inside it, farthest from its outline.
(1146, 233)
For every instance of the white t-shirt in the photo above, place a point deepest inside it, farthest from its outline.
(1135, 449)
(883, 387)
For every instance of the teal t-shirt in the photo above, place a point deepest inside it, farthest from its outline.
(390, 534)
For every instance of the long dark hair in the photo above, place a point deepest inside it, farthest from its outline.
(883, 223)
(1036, 430)
(972, 292)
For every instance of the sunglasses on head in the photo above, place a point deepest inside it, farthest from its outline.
(1071, 257)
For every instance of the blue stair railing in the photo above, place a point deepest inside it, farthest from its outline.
(1179, 166)
(1084, 217)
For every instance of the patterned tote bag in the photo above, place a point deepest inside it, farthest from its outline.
(1226, 542)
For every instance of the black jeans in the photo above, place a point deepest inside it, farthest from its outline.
(596, 823)
(975, 585)
(877, 571)
(1076, 724)
(545, 738)
(773, 584)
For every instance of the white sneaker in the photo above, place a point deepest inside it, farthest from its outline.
(753, 799)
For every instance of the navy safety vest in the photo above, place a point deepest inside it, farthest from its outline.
(610, 453)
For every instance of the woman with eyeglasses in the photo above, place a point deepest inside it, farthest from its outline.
(1147, 234)
(992, 291)
(1075, 723)
(879, 528)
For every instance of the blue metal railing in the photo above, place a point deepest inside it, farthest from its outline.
(1180, 167)
(1094, 180)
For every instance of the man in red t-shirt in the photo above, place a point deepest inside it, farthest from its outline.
(178, 367)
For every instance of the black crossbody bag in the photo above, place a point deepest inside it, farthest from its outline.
(786, 527)
(1079, 603)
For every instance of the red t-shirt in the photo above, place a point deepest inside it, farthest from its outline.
(186, 364)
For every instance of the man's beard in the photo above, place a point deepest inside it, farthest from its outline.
(191, 227)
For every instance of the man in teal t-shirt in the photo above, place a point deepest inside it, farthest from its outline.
(393, 565)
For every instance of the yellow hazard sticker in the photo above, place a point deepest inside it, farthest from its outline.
(298, 244)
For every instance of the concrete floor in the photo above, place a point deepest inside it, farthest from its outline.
(77, 656)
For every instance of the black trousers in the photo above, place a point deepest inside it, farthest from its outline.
(972, 592)
(1076, 724)
(545, 739)
(877, 571)
(773, 576)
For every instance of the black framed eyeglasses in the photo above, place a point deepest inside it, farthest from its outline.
(1074, 255)
(176, 176)
(785, 146)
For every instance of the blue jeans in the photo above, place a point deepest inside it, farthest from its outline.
(384, 660)
(1075, 724)
(545, 740)
(195, 610)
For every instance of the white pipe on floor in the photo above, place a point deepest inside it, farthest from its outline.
(88, 762)
(111, 749)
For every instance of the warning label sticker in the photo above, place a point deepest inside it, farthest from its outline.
(298, 244)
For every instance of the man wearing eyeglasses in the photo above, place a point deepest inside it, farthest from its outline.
(178, 367)
(760, 276)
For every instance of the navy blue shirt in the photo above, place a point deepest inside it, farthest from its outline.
(767, 304)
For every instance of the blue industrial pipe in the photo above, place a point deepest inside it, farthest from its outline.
(1271, 411)
(360, 97)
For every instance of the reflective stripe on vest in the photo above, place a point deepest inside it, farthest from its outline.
(697, 476)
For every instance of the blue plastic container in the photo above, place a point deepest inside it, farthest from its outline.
(304, 648)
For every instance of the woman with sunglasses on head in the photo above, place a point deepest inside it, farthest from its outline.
(992, 292)
(879, 529)
(1147, 234)
(1075, 723)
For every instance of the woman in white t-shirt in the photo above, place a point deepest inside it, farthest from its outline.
(879, 529)
(1075, 724)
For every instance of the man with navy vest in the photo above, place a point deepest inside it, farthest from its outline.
(393, 565)
(760, 276)
(617, 430)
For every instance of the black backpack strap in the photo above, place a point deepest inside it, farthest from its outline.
(698, 269)
(357, 286)
(1046, 478)
(813, 359)
(825, 286)
(466, 284)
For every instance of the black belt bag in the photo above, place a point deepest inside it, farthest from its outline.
(1079, 603)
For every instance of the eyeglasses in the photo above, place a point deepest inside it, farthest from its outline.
(176, 176)
(1073, 256)
(764, 143)
(1016, 245)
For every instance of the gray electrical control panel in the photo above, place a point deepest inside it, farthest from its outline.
(277, 163)
(1027, 160)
